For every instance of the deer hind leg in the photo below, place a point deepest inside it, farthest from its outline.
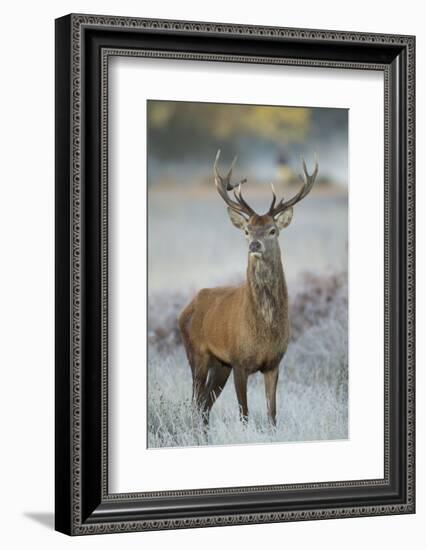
(197, 360)
(240, 380)
(184, 323)
(200, 365)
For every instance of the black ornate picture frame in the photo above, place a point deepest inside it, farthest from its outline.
(84, 44)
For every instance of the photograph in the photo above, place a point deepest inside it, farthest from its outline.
(247, 269)
(234, 273)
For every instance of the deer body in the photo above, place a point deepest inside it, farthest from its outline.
(246, 328)
(254, 327)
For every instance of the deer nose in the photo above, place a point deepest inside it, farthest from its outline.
(255, 246)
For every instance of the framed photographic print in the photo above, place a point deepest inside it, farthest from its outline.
(234, 274)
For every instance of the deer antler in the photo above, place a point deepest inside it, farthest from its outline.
(223, 185)
(308, 182)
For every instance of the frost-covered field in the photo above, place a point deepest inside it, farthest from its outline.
(192, 245)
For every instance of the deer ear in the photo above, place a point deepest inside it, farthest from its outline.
(237, 219)
(284, 219)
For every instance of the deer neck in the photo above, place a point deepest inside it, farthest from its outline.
(267, 289)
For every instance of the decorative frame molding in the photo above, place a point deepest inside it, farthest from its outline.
(84, 44)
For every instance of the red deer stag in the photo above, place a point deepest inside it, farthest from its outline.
(244, 328)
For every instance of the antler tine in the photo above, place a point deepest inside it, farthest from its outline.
(216, 161)
(223, 185)
(309, 178)
(274, 197)
(308, 182)
(239, 196)
(229, 174)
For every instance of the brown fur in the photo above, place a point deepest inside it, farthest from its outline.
(244, 328)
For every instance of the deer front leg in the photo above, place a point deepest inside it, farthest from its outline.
(218, 375)
(271, 380)
(240, 380)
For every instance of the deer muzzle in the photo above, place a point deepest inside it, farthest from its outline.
(256, 248)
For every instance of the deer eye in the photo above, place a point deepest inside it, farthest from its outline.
(246, 232)
(272, 232)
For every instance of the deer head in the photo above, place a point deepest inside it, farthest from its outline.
(261, 231)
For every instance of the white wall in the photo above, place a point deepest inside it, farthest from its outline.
(26, 301)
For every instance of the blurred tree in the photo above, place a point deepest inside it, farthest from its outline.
(173, 126)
